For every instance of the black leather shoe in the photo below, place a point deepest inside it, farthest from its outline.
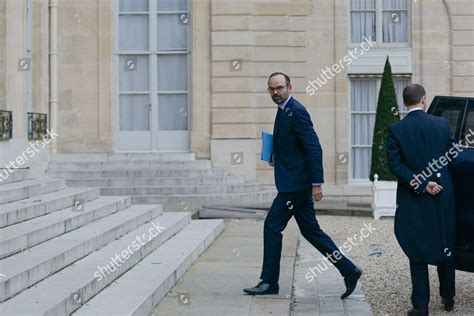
(448, 304)
(351, 282)
(263, 288)
(417, 312)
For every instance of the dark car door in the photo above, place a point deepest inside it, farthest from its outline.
(459, 112)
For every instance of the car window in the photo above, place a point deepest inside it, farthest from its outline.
(452, 110)
(468, 124)
(453, 117)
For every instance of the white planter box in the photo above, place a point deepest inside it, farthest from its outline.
(385, 198)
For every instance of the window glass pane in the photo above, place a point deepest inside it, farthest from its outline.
(172, 72)
(133, 73)
(172, 33)
(363, 99)
(394, 5)
(362, 22)
(452, 110)
(362, 4)
(400, 84)
(133, 32)
(364, 95)
(395, 26)
(362, 25)
(133, 5)
(452, 116)
(361, 158)
(363, 107)
(172, 5)
(468, 126)
(173, 111)
(362, 129)
(134, 113)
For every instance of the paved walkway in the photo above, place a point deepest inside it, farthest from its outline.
(213, 285)
(322, 295)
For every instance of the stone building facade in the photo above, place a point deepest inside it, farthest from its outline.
(124, 76)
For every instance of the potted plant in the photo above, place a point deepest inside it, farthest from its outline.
(384, 182)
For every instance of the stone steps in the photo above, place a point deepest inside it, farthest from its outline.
(66, 290)
(130, 165)
(7, 176)
(183, 180)
(129, 295)
(158, 181)
(59, 246)
(24, 189)
(18, 211)
(18, 237)
(230, 212)
(134, 173)
(182, 190)
(102, 157)
(59, 252)
(228, 199)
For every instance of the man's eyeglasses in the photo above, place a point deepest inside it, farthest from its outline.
(277, 89)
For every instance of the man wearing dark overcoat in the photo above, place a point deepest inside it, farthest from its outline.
(420, 153)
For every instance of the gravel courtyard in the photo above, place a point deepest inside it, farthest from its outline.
(386, 281)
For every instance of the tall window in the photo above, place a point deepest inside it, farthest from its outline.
(384, 21)
(153, 64)
(364, 94)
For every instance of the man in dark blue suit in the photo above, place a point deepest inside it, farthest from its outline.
(420, 151)
(298, 162)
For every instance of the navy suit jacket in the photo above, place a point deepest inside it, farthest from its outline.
(297, 152)
(424, 225)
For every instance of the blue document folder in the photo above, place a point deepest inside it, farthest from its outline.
(267, 146)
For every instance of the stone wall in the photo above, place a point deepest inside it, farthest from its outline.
(250, 40)
(3, 21)
(235, 46)
(301, 38)
(461, 62)
(86, 76)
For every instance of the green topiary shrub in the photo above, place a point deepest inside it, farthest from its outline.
(387, 113)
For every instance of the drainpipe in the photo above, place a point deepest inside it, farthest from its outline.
(53, 72)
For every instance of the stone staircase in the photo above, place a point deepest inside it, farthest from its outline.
(68, 250)
(176, 178)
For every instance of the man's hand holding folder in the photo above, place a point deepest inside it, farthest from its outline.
(271, 162)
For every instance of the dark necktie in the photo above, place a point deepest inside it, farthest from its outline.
(278, 116)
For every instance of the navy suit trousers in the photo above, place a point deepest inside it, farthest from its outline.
(301, 205)
(420, 296)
